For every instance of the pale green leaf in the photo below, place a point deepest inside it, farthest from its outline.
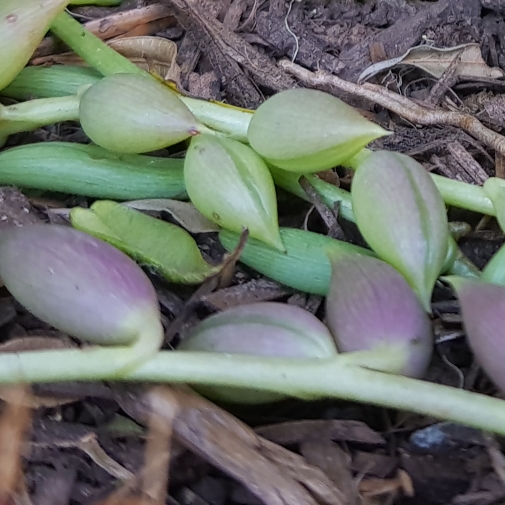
(165, 247)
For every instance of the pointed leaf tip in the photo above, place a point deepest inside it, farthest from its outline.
(303, 130)
(371, 306)
(401, 214)
(232, 186)
(129, 113)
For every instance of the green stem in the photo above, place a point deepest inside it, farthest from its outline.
(90, 48)
(230, 120)
(464, 195)
(100, 56)
(28, 116)
(308, 379)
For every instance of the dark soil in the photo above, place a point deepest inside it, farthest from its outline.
(343, 453)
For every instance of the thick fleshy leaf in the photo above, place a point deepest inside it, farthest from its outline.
(304, 266)
(130, 113)
(50, 82)
(305, 130)
(483, 308)
(371, 306)
(263, 329)
(232, 186)
(89, 170)
(400, 213)
(77, 283)
(494, 188)
(494, 271)
(163, 246)
(23, 24)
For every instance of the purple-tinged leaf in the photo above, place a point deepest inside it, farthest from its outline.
(263, 329)
(77, 283)
(402, 216)
(483, 311)
(371, 306)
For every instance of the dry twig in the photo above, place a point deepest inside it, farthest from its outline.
(404, 107)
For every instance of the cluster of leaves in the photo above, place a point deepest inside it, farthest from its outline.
(378, 298)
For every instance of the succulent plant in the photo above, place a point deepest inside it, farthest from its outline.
(370, 306)
(303, 130)
(400, 213)
(231, 185)
(482, 307)
(262, 329)
(23, 25)
(82, 286)
(130, 113)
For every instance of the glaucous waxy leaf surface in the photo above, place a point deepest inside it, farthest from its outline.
(89, 170)
(232, 186)
(163, 246)
(494, 188)
(494, 271)
(131, 113)
(304, 266)
(77, 283)
(306, 131)
(401, 214)
(262, 329)
(371, 306)
(482, 308)
(23, 24)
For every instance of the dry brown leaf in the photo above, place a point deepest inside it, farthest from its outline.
(256, 290)
(142, 21)
(155, 473)
(185, 213)
(334, 462)
(400, 484)
(154, 54)
(436, 60)
(295, 432)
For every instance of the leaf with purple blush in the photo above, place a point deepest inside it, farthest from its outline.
(401, 214)
(482, 308)
(371, 306)
(263, 329)
(82, 286)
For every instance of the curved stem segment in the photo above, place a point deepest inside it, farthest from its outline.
(33, 114)
(307, 379)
